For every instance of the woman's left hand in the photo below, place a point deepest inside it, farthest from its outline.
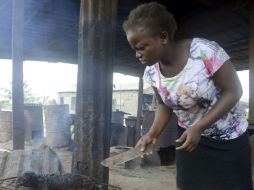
(189, 139)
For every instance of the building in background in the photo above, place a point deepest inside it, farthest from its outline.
(68, 97)
(124, 98)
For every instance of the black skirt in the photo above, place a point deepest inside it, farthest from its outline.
(215, 165)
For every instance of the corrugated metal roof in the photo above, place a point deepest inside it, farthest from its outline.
(51, 29)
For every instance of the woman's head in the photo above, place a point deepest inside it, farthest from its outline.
(149, 29)
(152, 18)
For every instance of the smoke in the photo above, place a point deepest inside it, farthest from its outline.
(50, 30)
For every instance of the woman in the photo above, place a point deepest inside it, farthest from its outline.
(195, 79)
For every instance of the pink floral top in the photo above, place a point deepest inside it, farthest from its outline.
(192, 93)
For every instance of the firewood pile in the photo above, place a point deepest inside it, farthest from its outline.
(33, 181)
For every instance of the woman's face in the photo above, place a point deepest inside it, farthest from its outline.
(149, 49)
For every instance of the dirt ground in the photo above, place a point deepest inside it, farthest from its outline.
(139, 178)
(148, 178)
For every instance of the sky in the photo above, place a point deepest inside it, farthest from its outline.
(46, 79)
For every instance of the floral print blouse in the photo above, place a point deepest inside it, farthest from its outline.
(192, 93)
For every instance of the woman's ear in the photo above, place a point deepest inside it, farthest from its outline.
(164, 37)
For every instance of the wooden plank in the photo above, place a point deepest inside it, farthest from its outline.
(251, 63)
(13, 164)
(94, 88)
(48, 155)
(3, 158)
(17, 74)
(27, 160)
(41, 160)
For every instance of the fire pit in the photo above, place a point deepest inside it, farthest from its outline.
(39, 168)
(32, 181)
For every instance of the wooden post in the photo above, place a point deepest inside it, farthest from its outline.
(139, 111)
(134, 131)
(251, 63)
(17, 74)
(94, 88)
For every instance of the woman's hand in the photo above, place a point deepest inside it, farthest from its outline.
(146, 140)
(189, 139)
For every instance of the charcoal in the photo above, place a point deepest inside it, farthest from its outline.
(59, 182)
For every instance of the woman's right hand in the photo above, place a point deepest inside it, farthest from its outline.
(146, 140)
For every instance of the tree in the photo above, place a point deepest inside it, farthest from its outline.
(28, 95)
(6, 97)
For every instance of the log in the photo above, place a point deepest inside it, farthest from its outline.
(94, 88)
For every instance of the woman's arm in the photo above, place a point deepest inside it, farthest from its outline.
(227, 80)
(162, 116)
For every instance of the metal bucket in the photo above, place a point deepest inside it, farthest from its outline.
(5, 126)
(58, 132)
(117, 117)
(168, 136)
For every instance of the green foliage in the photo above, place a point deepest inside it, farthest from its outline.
(4, 104)
(44, 100)
(5, 99)
(29, 97)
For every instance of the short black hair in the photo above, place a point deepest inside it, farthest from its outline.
(152, 17)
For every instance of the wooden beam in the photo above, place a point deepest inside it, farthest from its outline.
(94, 88)
(237, 19)
(17, 74)
(139, 111)
(251, 63)
(207, 2)
(213, 2)
(201, 19)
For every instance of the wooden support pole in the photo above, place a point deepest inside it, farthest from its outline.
(17, 75)
(251, 63)
(139, 111)
(94, 88)
(134, 132)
